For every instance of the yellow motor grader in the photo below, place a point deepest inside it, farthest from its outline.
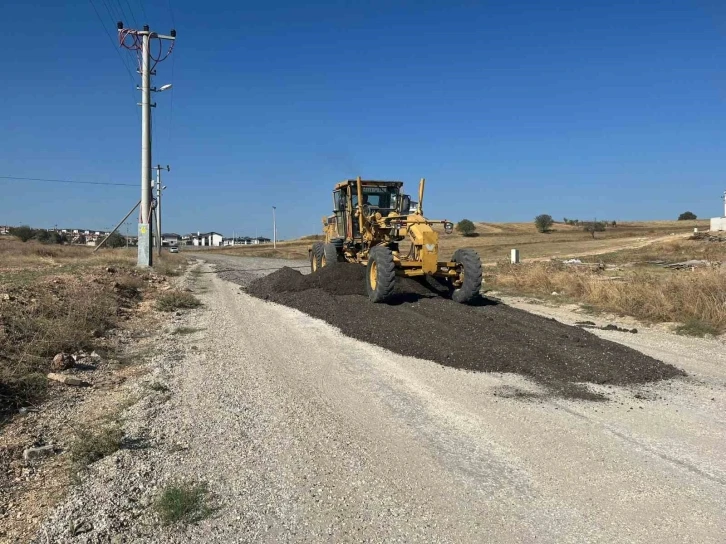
(373, 222)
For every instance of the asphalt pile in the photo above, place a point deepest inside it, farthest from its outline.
(486, 336)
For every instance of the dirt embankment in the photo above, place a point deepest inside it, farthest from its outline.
(485, 337)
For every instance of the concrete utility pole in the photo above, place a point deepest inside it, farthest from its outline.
(140, 43)
(274, 229)
(159, 190)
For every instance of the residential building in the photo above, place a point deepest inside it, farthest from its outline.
(206, 239)
(170, 239)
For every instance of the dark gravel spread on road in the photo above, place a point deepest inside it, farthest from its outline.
(487, 336)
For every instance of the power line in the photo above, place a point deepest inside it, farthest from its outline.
(171, 12)
(141, 3)
(113, 43)
(171, 98)
(116, 48)
(15, 178)
(133, 16)
(171, 104)
(124, 16)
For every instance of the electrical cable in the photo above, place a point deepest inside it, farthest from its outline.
(171, 102)
(141, 3)
(133, 15)
(120, 56)
(171, 12)
(15, 178)
(100, 20)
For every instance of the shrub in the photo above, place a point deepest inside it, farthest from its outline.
(176, 300)
(687, 216)
(24, 233)
(185, 502)
(91, 446)
(465, 227)
(544, 222)
(116, 240)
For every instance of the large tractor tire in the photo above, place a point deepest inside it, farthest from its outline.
(316, 256)
(330, 255)
(380, 274)
(470, 275)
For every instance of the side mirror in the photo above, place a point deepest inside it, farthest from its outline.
(405, 205)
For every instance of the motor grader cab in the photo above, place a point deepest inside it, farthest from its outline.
(373, 225)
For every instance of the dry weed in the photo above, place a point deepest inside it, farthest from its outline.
(657, 296)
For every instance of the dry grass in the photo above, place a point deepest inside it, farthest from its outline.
(40, 323)
(670, 251)
(696, 298)
(93, 445)
(33, 254)
(493, 241)
(58, 298)
(176, 300)
(294, 249)
(169, 264)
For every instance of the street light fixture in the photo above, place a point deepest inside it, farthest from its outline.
(274, 228)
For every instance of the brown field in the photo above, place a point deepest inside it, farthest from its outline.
(494, 241)
(631, 282)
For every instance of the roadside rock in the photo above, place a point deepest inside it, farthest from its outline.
(36, 453)
(67, 380)
(62, 361)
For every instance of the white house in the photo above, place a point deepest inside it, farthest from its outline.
(207, 239)
(170, 239)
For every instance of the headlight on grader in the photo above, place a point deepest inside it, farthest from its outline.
(448, 227)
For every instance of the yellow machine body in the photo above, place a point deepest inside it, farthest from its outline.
(369, 213)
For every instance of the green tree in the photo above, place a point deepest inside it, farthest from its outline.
(687, 216)
(25, 233)
(594, 226)
(465, 227)
(544, 222)
(44, 236)
(116, 240)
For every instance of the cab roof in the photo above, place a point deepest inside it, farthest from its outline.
(348, 182)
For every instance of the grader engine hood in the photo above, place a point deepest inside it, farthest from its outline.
(427, 239)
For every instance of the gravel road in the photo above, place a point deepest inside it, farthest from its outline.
(306, 435)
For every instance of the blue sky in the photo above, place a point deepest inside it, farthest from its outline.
(510, 109)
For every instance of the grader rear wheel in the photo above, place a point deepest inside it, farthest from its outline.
(316, 256)
(380, 274)
(469, 275)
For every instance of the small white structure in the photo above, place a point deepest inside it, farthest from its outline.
(719, 223)
(514, 258)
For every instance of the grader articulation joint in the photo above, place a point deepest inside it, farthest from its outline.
(376, 225)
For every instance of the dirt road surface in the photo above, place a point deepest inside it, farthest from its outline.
(307, 435)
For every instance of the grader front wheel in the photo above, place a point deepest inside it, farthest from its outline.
(316, 256)
(380, 274)
(469, 275)
(330, 255)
